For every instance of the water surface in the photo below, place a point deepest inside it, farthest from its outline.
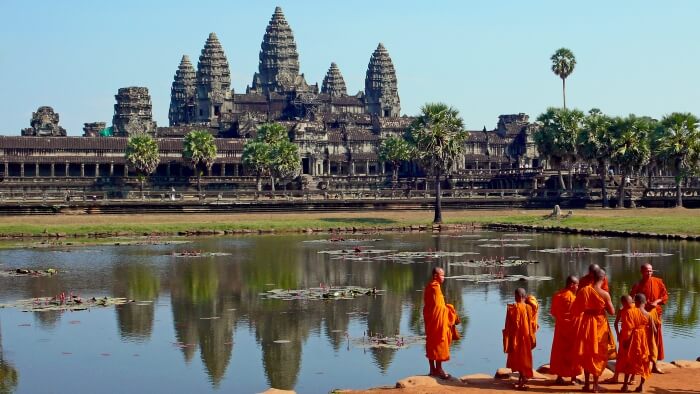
(134, 348)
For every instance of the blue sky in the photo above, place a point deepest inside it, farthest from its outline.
(484, 57)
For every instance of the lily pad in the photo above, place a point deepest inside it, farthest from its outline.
(574, 249)
(493, 278)
(493, 263)
(636, 254)
(503, 245)
(342, 240)
(321, 293)
(29, 272)
(45, 304)
(379, 341)
(280, 341)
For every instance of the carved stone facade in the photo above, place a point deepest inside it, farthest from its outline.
(44, 123)
(133, 112)
(213, 83)
(94, 129)
(382, 95)
(333, 83)
(183, 94)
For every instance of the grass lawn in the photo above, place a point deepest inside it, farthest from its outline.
(677, 221)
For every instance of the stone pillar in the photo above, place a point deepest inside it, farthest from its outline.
(67, 169)
(367, 167)
(126, 170)
(167, 169)
(21, 170)
(223, 169)
(382, 164)
(328, 168)
(97, 170)
(36, 169)
(111, 169)
(82, 170)
(352, 167)
(7, 169)
(53, 170)
(235, 169)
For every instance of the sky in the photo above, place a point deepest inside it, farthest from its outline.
(485, 58)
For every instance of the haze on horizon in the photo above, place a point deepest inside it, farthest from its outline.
(484, 58)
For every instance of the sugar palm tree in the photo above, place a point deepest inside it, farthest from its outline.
(630, 144)
(677, 141)
(595, 145)
(563, 63)
(395, 150)
(258, 157)
(556, 138)
(199, 148)
(142, 154)
(438, 137)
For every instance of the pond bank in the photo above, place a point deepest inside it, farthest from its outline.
(682, 376)
(645, 223)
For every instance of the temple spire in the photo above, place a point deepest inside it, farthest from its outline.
(213, 80)
(278, 69)
(333, 82)
(183, 94)
(381, 90)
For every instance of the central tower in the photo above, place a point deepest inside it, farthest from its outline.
(278, 70)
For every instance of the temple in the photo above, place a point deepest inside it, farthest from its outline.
(338, 133)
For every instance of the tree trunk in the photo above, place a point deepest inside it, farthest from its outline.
(604, 185)
(621, 191)
(272, 182)
(571, 176)
(258, 182)
(563, 90)
(142, 179)
(394, 172)
(679, 192)
(438, 200)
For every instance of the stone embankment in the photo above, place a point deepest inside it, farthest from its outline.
(681, 376)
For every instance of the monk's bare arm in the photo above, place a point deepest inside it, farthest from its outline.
(608, 304)
(617, 322)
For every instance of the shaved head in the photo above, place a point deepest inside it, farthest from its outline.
(626, 300)
(599, 275)
(647, 270)
(520, 294)
(438, 270)
(640, 298)
(439, 274)
(593, 268)
(570, 280)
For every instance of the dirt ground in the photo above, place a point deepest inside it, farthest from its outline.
(389, 215)
(674, 381)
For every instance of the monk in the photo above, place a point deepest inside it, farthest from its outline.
(626, 302)
(562, 362)
(634, 343)
(519, 336)
(440, 320)
(593, 337)
(655, 292)
(589, 278)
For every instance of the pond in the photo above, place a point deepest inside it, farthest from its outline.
(202, 321)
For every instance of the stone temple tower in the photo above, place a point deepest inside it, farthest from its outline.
(381, 91)
(133, 112)
(213, 83)
(333, 83)
(183, 94)
(278, 69)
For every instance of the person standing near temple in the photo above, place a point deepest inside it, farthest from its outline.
(519, 336)
(589, 278)
(440, 320)
(562, 359)
(634, 343)
(655, 292)
(593, 337)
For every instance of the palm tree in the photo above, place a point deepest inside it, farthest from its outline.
(677, 140)
(438, 137)
(556, 138)
(258, 157)
(199, 148)
(595, 145)
(142, 154)
(286, 161)
(395, 150)
(563, 63)
(630, 144)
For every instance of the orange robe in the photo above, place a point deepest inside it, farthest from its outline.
(621, 354)
(562, 360)
(440, 319)
(589, 279)
(653, 336)
(593, 340)
(519, 337)
(634, 342)
(653, 289)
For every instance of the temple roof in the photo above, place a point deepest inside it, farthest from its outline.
(380, 80)
(278, 69)
(333, 82)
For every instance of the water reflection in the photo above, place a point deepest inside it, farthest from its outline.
(8, 374)
(210, 298)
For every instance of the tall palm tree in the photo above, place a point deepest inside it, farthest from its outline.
(199, 148)
(595, 145)
(142, 154)
(438, 137)
(630, 148)
(678, 136)
(563, 63)
(395, 150)
(556, 138)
